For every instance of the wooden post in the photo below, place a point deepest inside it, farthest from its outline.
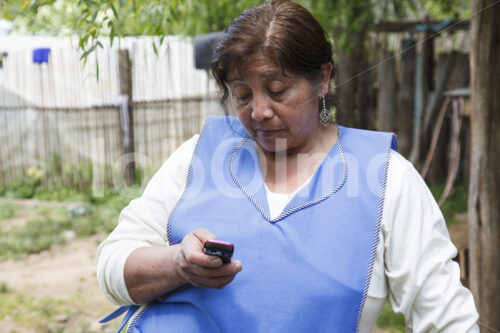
(386, 106)
(405, 98)
(126, 115)
(423, 86)
(484, 186)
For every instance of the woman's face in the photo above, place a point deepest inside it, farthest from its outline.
(279, 111)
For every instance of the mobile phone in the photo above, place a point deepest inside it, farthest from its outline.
(223, 250)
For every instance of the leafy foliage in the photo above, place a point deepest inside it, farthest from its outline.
(343, 18)
(90, 19)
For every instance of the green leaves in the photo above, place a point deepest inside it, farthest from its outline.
(86, 53)
(90, 19)
(114, 11)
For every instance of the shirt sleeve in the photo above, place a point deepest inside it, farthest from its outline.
(424, 281)
(143, 223)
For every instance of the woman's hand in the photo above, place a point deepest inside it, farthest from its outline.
(200, 269)
(151, 271)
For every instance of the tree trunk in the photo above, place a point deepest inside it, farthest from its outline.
(423, 84)
(484, 186)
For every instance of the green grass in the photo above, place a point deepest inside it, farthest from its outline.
(7, 211)
(43, 314)
(52, 224)
(29, 312)
(29, 190)
(392, 321)
(34, 237)
(62, 194)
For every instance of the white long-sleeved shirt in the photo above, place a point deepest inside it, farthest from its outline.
(413, 266)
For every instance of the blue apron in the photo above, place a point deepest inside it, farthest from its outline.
(306, 270)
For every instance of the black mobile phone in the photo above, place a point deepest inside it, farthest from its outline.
(223, 250)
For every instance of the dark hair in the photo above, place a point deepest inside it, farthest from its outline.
(282, 31)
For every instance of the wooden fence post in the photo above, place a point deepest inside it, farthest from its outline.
(386, 108)
(126, 115)
(423, 85)
(405, 97)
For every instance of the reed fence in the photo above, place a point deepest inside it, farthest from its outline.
(60, 121)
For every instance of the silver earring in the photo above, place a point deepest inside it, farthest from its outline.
(324, 115)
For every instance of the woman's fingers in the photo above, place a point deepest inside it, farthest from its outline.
(200, 269)
(216, 283)
(194, 264)
(192, 250)
(225, 270)
(203, 234)
(198, 258)
(211, 277)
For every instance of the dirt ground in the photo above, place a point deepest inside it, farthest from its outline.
(63, 273)
(62, 279)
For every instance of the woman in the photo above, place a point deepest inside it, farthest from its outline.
(327, 221)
